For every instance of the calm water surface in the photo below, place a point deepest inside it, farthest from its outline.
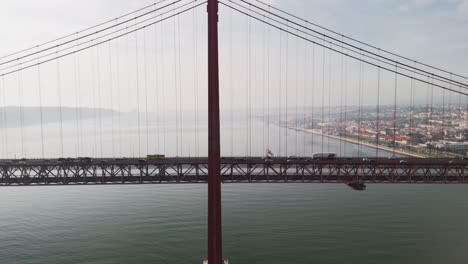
(263, 223)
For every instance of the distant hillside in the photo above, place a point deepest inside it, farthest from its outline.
(31, 115)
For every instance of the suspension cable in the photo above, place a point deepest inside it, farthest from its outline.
(356, 50)
(101, 42)
(352, 39)
(87, 35)
(337, 51)
(81, 31)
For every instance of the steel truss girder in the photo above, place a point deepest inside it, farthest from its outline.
(231, 172)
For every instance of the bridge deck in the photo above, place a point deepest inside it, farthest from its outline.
(233, 170)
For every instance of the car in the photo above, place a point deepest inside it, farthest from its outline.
(403, 161)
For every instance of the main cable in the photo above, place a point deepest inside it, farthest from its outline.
(87, 35)
(101, 42)
(337, 51)
(95, 39)
(354, 49)
(355, 40)
(81, 31)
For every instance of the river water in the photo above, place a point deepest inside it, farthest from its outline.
(263, 223)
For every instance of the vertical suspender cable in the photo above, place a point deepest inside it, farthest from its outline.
(329, 96)
(249, 84)
(323, 101)
(119, 94)
(231, 89)
(263, 87)
(138, 92)
(340, 128)
(41, 116)
(5, 117)
(280, 75)
(20, 97)
(378, 115)
(247, 70)
(195, 73)
(395, 109)
(145, 76)
(111, 86)
(286, 95)
(163, 90)
(176, 86)
(268, 87)
(180, 90)
(129, 116)
(98, 75)
(156, 87)
(3, 126)
(304, 96)
(443, 108)
(80, 114)
(360, 110)
(296, 99)
(345, 102)
(3, 109)
(59, 93)
(312, 99)
(411, 112)
(77, 119)
(432, 98)
(94, 110)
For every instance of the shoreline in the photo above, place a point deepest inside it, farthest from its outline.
(354, 141)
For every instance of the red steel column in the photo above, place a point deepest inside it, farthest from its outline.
(215, 248)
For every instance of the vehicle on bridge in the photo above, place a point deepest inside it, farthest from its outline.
(324, 155)
(156, 157)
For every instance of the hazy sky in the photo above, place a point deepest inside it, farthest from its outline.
(432, 31)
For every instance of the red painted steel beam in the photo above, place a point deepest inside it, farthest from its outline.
(215, 247)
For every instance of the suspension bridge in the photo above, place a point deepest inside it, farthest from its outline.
(270, 92)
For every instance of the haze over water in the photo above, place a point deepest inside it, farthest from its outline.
(263, 223)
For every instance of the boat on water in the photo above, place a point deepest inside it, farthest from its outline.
(356, 185)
